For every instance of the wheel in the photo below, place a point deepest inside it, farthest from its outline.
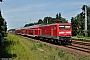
(59, 42)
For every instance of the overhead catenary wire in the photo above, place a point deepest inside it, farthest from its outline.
(70, 10)
(74, 8)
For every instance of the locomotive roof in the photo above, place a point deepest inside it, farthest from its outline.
(37, 26)
(34, 26)
(64, 24)
(57, 24)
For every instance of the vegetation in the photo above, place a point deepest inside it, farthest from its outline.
(81, 37)
(1, 0)
(48, 20)
(11, 30)
(20, 48)
(3, 27)
(78, 23)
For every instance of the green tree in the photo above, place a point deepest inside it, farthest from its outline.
(1, 0)
(3, 27)
(59, 16)
(35, 23)
(30, 24)
(40, 21)
(78, 22)
(47, 20)
(74, 26)
(88, 17)
(64, 20)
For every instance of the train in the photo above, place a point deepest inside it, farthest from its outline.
(57, 32)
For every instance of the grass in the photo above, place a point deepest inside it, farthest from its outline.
(82, 37)
(25, 49)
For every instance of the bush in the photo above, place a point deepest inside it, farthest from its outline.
(61, 53)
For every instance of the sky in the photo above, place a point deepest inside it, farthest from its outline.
(17, 13)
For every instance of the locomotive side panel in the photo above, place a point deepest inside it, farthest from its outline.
(59, 32)
(47, 31)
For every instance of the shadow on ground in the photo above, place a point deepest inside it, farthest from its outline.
(4, 52)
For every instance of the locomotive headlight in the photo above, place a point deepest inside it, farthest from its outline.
(61, 32)
(68, 32)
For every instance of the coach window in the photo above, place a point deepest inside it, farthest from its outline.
(26, 30)
(61, 27)
(35, 30)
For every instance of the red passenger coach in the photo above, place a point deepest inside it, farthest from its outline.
(24, 31)
(59, 32)
(33, 31)
(18, 31)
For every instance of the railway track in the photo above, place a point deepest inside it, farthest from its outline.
(80, 45)
(81, 42)
(76, 46)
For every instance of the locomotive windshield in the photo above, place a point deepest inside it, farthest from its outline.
(67, 27)
(64, 27)
(61, 27)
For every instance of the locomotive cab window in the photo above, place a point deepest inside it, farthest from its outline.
(61, 27)
(67, 27)
(64, 27)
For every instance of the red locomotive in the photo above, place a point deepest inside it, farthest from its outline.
(57, 32)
